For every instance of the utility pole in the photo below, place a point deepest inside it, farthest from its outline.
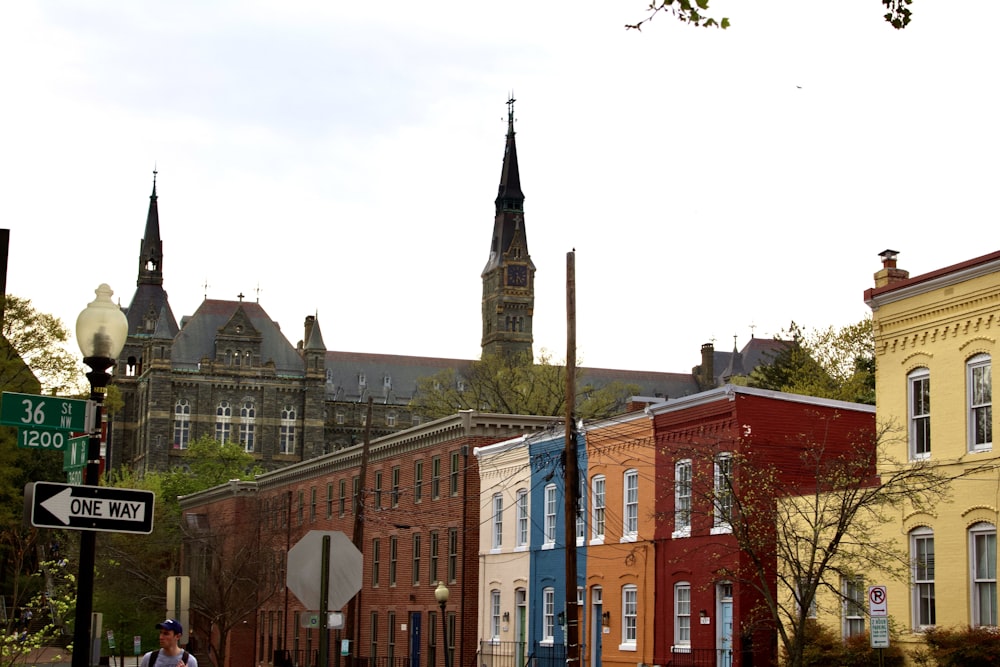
(572, 480)
(352, 623)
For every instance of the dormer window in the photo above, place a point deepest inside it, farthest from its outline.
(362, 380)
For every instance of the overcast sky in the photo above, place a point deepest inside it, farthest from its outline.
(342, 158)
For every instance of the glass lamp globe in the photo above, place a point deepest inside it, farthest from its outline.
(101, 328)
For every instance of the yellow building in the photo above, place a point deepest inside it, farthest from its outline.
(935, 337)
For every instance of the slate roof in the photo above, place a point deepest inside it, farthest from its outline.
(344, 370)
(196, 339)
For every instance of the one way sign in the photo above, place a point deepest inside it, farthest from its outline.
(90, 508)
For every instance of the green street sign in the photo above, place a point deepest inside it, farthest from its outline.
(31, 411)
(74, 476)
(48, 439)
(75, 454)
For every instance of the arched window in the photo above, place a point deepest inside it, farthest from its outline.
(286, 434)
(248, 417)
(919, 413)
(682, 614)
(223, 417)
(182, 424)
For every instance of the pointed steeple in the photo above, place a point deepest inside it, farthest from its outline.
(151, 250)
(509, 195)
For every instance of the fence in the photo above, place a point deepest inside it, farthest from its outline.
(701, 657)
(521, 654)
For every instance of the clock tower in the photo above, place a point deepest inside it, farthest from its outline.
(509, 275)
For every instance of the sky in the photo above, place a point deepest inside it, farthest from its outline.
(341, 159)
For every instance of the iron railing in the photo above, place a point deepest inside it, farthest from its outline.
(700, 657)
(521, 654)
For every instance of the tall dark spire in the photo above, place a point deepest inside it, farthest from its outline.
(509, 195)
(151, 249)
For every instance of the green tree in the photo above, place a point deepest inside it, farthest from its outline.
(829, 363)
(514, 384)
(695, 12)
(32, 352)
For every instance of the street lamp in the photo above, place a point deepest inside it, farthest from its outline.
(101, 330)
(441, 595)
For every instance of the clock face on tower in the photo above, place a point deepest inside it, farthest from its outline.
(517, 275)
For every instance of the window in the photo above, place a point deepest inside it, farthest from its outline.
(394, 498)
(495, 615)
(630, 614)
(436, 477)
(376, 560)
(451, 619)
(631, 527)
(548, 615)
(682, 614)
(452, 555)
(983, 549)
(329, 499)
(390, 419)
(454, 473)
(550, 515)
(432, 576)
(355, 494)
(597, 501)
(343, 497)
(417, 548)
(922, 555)
(312, 504)
(920, 413)
(581, 512)
(374, 634)
(853, 590)
(340, 417)
(497, 521)
(980, 403)
(248, 417)
(391, 645)
(432, 635)
(801, 590)
(302, 506)
(723, 496)
(223, 415)
(682, 498)
(182, 424)
(418, 481)
(378, 490)
(393, 555)
(522, 517)
(286, 431)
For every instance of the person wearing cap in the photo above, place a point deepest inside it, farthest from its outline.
(170, 654)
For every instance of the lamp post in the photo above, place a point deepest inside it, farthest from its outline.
(441, 595)
(101, 330)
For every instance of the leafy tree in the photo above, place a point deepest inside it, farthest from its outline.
(695, 12)
(829, 363)
(514, 384)
(32, 351)
(792, 537)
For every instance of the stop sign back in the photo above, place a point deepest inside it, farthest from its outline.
(305, 564)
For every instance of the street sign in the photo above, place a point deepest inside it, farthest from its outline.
(878, 603)
(75, 454)
(879, 631)
(49, 439)
(98, 508)
(29, 410)
(74, 476)
(305, 566)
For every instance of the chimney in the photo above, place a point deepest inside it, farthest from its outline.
(889, 274)
(706, 374)
(310, 321)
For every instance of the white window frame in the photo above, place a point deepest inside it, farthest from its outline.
(922, 574)
(548, 616)
(248, 419)
(581, 513)
(683, 473)
(598, 489)
(630, 505)
(223, 425)
(722, 503)
(497, 522)
(182, 423)
(630, 618)
(918, 383)
(682, 615)
(549, 538)
(983, 574)
(286, 430)
(799, 594)
(853, 592)
(522, 523)
(495, 615)
(979, 383)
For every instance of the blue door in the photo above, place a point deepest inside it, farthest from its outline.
(725, 644)
(415, 638)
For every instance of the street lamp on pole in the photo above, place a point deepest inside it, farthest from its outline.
(101, 330)
(441, 595)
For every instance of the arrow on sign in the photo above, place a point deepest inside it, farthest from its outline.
(91, 508)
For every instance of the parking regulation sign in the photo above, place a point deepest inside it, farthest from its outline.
(878, 604)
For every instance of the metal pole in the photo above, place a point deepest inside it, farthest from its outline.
(324, 604)
(99, 378)
(444, 634)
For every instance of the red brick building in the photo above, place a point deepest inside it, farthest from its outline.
(420, 509)
(712, 450)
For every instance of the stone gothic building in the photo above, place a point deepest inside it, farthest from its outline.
(229, 372)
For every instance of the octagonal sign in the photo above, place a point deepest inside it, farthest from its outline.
(305, 564)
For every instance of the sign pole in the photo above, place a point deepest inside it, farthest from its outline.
(324, 603)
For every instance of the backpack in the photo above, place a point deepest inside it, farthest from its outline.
(156, 654)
